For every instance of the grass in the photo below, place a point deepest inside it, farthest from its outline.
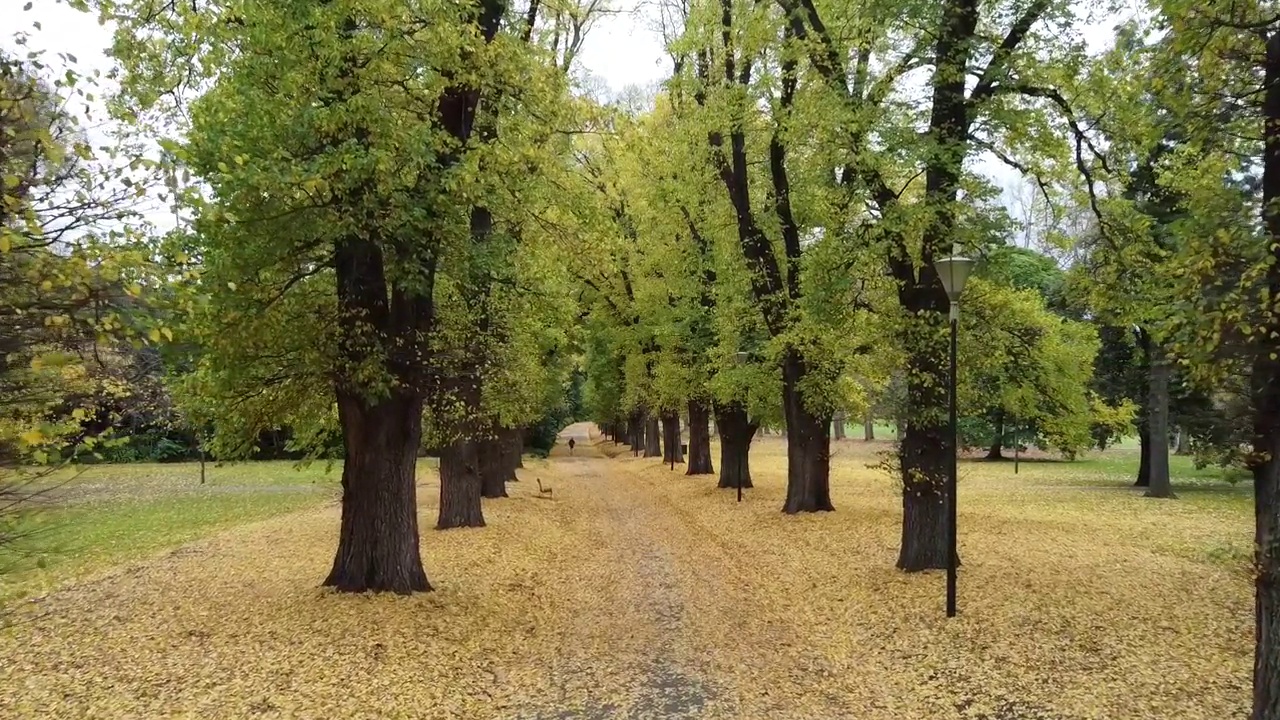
(111, 514)
(639, 592)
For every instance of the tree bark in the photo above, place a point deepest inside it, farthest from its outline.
(671, 438)
(1158, 424)
(635, 430)
(517, 447)
(460, 486)
(925, 457)
(1144, 456)
(512, 444)
(1265, 391)
(808, 444)
(837, 424)
(868, 427)
(997, 442)
(378, 541)
(1184, 442)
(699, 439)
(736, 433)
(492, 462)
(652, 439)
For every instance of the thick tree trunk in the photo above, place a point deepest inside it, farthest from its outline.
(1158, 424)
(1265, 392)
(736, 433)
(837, 426)
(996, 452)
(808, 445)
(868, 427)
(493, 466)
(517, 448)
(512, 444)
(671, 438)
(925, 457)
(460, 486)
(699, 439)
(635, 430)
(652, 439)
(378, 541)
(1144, 456)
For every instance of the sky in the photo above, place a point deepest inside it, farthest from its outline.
(623, 48)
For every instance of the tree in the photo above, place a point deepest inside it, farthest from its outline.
(330, 263)
(745, 77)
(1219, 72)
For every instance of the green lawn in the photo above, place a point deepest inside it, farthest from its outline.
(110, 514)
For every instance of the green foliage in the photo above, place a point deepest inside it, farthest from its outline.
(1030, 367)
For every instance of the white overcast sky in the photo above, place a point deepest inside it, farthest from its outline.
(622, 49)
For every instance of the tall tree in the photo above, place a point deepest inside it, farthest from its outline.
(328, 263)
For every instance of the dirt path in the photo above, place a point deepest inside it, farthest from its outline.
(630, 522)
(639, 593)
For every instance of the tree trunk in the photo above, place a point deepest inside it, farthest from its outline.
(1265, 392)
(652, 439)
(837, 425)
(1184, 442)
(517, 448)
(997, 443)
(1158, 424)
(492, 462)
(925, 458)
(460, 486)
(699, 439)
(736, 433)
(635, 430)
(378, 541)
(868, 427)
(512, 452)
(671, 438)
(1144, 456)
(808, 444)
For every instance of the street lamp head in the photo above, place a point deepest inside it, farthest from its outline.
(954, 271)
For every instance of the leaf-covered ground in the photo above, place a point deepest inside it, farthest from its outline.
(89, 521)
(642, 593)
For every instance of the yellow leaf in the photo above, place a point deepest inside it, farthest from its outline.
(154, 335)
(32, 436)
(168, 334)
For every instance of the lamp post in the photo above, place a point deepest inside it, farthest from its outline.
(953, 271)
(741, 358)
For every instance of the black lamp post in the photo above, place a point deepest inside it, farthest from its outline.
(741, 358)
(953, 271)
